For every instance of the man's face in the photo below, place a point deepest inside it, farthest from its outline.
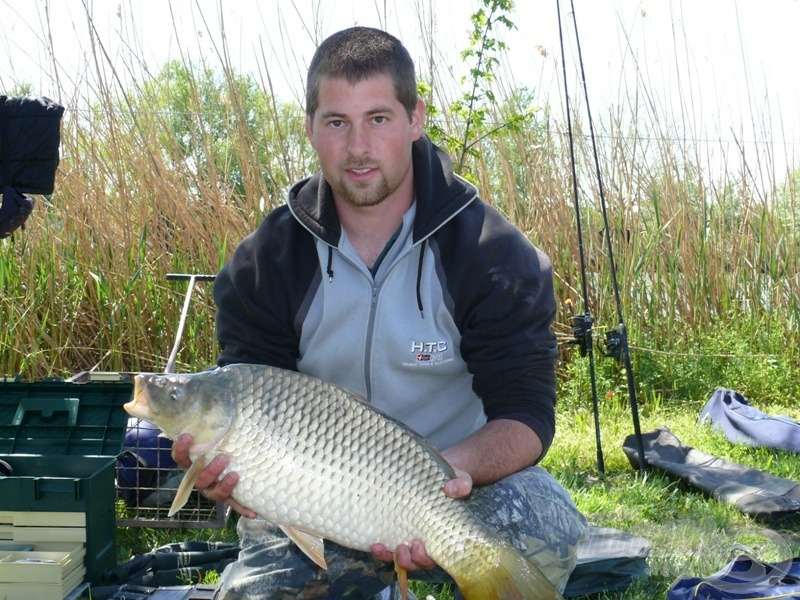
(362, 135)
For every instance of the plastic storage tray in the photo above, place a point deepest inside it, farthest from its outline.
(61, 439)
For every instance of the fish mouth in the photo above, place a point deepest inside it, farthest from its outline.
(138, 405)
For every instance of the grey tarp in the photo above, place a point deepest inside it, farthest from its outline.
(756, 493)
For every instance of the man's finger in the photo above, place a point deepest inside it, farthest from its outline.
(380, 553)
(180, 450)
(221, 490)
(403, 558)
(211, 473)
(420, 557)
(242, 510)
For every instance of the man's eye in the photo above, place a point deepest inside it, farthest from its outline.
(335, 124)
(380, 120)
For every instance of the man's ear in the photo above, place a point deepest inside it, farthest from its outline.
(418, 119)
(309, 126)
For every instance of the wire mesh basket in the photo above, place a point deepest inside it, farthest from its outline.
(148, 480)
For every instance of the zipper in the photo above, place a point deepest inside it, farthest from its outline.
(375, 289)
(373, 306)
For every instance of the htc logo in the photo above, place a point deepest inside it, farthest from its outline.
(428, 347)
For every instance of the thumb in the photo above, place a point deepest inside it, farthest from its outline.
(460, 487)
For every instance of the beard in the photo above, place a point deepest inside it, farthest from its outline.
(362, 194)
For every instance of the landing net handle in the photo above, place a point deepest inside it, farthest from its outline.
(192, 279)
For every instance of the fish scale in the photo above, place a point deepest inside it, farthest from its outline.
(314, 452)
(323, 463)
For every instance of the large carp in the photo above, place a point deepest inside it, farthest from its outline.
(322, 463)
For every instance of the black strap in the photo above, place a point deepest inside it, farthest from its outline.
(14, 211)
(5, 174)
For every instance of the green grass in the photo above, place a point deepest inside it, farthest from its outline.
(690, 532)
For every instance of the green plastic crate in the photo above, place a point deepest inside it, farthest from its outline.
(62, 439)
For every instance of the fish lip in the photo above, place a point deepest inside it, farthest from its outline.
(138, 404)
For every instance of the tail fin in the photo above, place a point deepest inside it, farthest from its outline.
(513, 577)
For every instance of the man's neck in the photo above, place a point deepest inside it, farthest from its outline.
(369, 228)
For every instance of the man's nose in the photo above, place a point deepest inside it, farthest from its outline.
(358, 140)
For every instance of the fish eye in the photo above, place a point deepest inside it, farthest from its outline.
(174, 396)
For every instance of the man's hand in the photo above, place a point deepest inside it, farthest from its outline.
(206, 481)
(415, 557)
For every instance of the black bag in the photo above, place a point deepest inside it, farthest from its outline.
(173, 592)
(14, 211)
(166, 566)
(30, 135)
(607, 560)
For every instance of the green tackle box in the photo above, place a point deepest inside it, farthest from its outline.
(61, 439)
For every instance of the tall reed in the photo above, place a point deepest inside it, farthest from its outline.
(168, 173)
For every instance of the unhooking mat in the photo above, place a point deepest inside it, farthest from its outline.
(755, 493)
(742, 423)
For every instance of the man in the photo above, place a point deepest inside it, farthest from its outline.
(386, 274)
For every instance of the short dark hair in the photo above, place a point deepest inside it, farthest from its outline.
(358, 53)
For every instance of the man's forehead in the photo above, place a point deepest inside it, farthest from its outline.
(372, 80)
(370, 94)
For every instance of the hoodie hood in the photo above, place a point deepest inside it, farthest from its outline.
(440, 194)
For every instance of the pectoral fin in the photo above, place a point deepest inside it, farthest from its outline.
(312, 545)
(187, 484)
(402, 579)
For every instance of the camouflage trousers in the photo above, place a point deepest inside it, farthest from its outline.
(529, 508)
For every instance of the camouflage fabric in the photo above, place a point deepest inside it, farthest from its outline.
(529, 508)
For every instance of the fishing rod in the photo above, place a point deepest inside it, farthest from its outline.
(616, 340)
